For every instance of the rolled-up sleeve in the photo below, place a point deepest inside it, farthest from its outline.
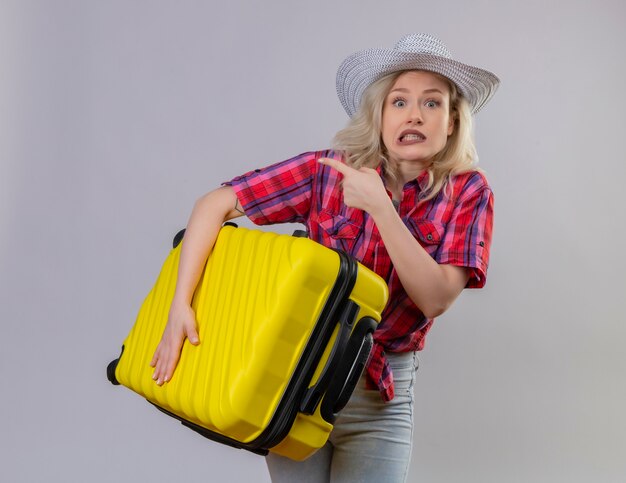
(280, 193)
(467, 238)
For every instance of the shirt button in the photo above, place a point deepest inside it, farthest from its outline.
(429, 237)
(482, 243)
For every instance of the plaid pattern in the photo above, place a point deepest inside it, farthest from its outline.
(455, 230)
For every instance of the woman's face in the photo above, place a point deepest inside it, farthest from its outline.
(415, 121)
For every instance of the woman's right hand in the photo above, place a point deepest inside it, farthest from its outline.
(181, 325)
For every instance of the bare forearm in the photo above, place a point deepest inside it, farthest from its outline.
(431, 286)
(207, 217)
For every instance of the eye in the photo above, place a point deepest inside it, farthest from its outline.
(432, 104)
(399, 102)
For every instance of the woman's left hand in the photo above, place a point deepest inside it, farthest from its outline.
(363, 188)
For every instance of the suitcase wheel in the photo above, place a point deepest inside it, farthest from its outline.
(111, 372)
(178, 238)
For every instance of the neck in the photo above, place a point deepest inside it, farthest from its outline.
(406, 171)
(396, 186)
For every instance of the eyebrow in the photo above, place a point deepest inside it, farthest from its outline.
(427, 91)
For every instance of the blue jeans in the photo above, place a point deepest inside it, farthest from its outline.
(370, 442)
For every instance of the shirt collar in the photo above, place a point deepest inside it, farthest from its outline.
(421, 180)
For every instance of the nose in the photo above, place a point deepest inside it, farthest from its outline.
(416, 116)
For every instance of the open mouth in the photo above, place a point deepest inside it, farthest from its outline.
(409, 137)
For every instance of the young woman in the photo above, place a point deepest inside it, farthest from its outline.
(401, 193)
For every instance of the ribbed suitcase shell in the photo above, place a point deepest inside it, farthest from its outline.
(257, 305)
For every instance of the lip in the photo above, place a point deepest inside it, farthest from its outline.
(404, 142)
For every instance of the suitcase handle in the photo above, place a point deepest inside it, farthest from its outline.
(349, 372)
(314, 394)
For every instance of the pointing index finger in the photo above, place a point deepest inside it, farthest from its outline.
(336, 164)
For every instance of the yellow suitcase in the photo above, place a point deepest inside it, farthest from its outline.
(285, 326)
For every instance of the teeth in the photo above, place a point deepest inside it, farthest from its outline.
(411, 137)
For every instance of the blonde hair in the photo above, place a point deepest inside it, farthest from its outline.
(362, 145)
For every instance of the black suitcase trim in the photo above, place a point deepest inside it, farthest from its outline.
(212, 435)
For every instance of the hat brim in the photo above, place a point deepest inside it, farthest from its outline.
(363, 68)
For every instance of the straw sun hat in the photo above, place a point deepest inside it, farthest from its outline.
(412, 52)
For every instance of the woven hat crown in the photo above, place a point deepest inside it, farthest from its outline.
(423, 44)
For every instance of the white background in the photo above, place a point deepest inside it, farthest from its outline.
(115, 116)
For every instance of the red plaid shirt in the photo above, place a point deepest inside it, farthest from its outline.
(455, 230)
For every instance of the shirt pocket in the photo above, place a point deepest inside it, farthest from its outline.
(429, 234)
(339, 231)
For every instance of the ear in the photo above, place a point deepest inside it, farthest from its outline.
(451, 122)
